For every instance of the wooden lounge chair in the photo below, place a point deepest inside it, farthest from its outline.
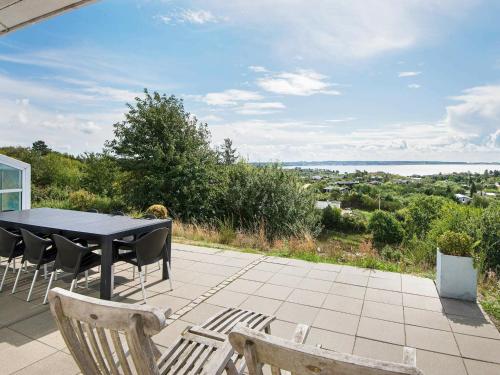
(107, 337)
(259, 349)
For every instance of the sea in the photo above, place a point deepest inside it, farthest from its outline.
(423, 169)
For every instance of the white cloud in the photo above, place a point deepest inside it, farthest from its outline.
(193, 16)
(408, 74)
(345, 119)
(230, 97)
(477, 115)
(259, 108)
(324, 29)
(258, 69)
(414, 86)
(302, 83)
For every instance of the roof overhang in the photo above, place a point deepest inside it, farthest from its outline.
(15, 14)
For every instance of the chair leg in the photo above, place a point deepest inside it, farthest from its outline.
(145, 274)
(45, 271)
(112, 279)
(159, 265)
(87, 279)
(170, 276)
(142, 287)
(14, 264)
(133, 272)
(32, 285)
(73, 283)
(17, 278)
(25, 266)
(48, 286)
(4, 275)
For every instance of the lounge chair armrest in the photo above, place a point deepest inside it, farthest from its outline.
(221, 361)
(300, 333)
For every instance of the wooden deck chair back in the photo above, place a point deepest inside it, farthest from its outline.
(108, 337)
(280, 354)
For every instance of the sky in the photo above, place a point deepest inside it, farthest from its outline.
(286, 80)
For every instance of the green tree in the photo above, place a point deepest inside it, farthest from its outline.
(385, 228)
(473, 189)
(40, 147)
(419, 214)
(166, 156)
(227, 154)
(490, 236)
(331, 217)
(101, 174)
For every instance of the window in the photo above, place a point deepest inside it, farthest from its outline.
(15, 184)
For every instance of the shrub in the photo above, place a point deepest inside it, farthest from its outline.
(453, 243)
(385, 228)
(158, 210)
(331, 217)
(81, 200)
(353, 223)
(490, 236)
(390, 253)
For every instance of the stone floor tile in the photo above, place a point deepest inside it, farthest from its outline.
(277, 260)
(356, 270)
(337, 321)
(307, 297)
(428, 319)
(322, 275)
(462, 308)
(473, 326)
(216, 269)
(422, 302)
(347, 290)
(338, 342)
(378, 350)
(479, 348)
(263, 305)
(166, 301)
(170, 333)
(439, 364)
(257, 275)
(431, 339)
(189, 291)
(20, 350)
(41, 327)
(352, 279)
(386, 284)
(385, 275)
(226, 298)
(343, 304)
(295, 313)
(285, 280)
(381, 330)
(322, 286)
(481, 368)
(300, 263)
(244, 286)
(294, 271)
(283, 329)
(384, 296)
(327, 267)
(270, 267)
(384, 311)
(274, 291)
(14, 309)
(418, 285)
(201, 313)
(56, 364)
(206, 279)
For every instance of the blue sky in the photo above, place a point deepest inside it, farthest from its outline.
(285, 79)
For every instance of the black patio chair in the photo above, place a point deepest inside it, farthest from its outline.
(146, 250)
(117, 213)
(74, 258)
(11, 247)
(38, 251)
(93, 210)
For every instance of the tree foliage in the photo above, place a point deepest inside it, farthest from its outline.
(385, 228)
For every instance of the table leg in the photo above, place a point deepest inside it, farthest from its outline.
(106, 265)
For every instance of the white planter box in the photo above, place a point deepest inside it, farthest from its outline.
(456, 277)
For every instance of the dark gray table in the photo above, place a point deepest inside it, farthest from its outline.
(101, 228)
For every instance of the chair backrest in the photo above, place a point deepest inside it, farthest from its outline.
(8, 242)
(260, 348)
(34, 246)
(107, 337)
(149, 248)
(69, 254)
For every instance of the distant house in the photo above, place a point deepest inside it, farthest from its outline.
(328, 189)
(316, 178)
(347, 183)
(487, 194)
(464, 199)
(375, 182)
(320, 205)
(400, 181)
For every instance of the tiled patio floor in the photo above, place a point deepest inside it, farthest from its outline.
(351, 310)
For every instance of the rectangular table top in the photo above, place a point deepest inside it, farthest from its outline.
(78, 222)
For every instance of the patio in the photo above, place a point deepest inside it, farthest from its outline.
(351, 310)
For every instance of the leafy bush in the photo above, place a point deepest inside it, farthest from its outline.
(453, 243)
(331, 217)
(82, 200)
(158, 210)
(390, 253)
(420, 212)
(385, 228)
(490, 236)
(353, 223)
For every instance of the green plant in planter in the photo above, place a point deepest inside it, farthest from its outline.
(158, 210)
(457, 244)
